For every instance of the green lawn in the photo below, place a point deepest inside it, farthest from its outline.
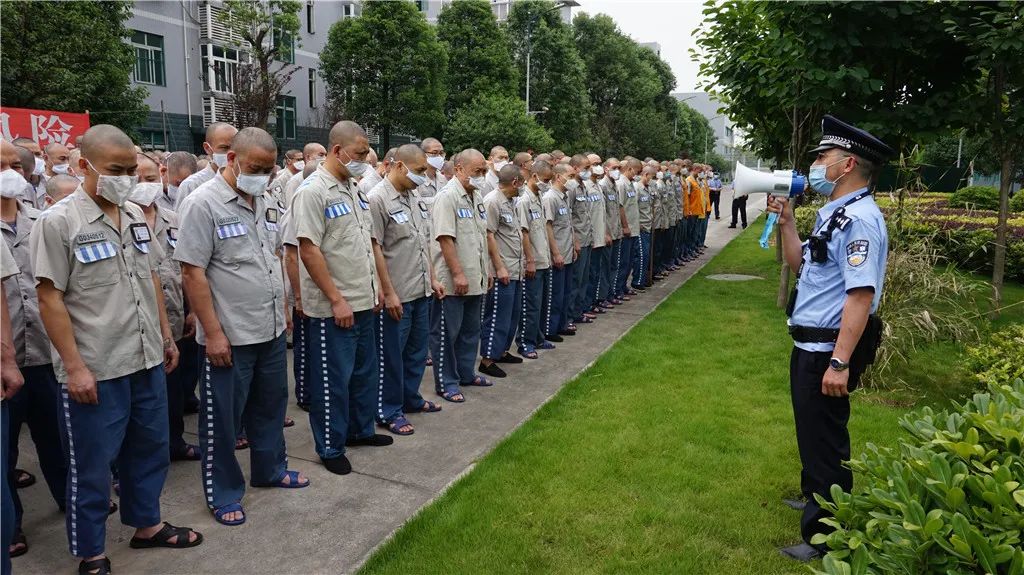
(669, 455)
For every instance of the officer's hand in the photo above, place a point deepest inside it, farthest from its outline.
(170, 355)
(343, 316)
(394, 306)
(190, 325)
(834, 383)
(82, 386)
(503, 276)
(780, 205)
(11, 379)
(461, 284)
(558, 261)
(531, 269)
(218, 350)
(438, 288)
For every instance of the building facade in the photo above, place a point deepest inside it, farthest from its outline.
(187, 59)
(725, 135)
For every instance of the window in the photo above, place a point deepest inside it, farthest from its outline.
(149, 58)
(285, 117)
(151, 140)
(420, 5)
(221, 65)
(312, 88)
(348, 10)
(285, 44)
(309, 16)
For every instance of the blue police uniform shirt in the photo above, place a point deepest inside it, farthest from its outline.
(857, 256)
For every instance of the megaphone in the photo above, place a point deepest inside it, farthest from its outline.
(787, 183)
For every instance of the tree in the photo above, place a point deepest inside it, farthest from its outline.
(995, 35)
(494, 120)
(387, 69)
(267, 30)
(479, 60)
(71, 56)
(557, 86)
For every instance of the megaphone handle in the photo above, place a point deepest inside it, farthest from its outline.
(768, 227)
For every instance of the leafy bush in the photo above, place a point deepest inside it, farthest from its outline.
(975, 198)
(1000, 358)
(496, 120)
(948, 499)
(1017, 202)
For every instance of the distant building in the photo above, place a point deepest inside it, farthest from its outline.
(652, 46)
(725, 136)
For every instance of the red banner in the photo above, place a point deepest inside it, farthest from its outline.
(43, 126)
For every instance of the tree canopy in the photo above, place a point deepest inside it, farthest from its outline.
(494, 120)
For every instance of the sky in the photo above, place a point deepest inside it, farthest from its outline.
(667, 22)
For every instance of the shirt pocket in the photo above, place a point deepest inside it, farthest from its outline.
(99, 265)
(233, 244)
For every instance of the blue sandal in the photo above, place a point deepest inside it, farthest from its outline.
(395, 426)
(293, 481)
(528, 352)
(429, 407)
(450, 394)
(479, 381)
(223, 510)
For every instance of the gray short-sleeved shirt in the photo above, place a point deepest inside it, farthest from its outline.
(369, 180)
(460, 215)
(335, 216)
(165, 233)
(192, 183)
(556, 211)
(531, 218)
(400, 228)
(581, 223)
(8, 267)
(31, 345)
(643, 202)
(238, 246)
(503, 222)
(106, 275)
(597, 213)
(288, 238)
(628, 199)
(613, 220)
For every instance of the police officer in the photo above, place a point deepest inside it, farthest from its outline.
(407, 280)
(503, 305)
(37, 403)
(841, 273)
(340, 294)
(164, 224)
(229, 247)
(538, 259)
(93, 256)
(558, 225)
(216, 146)
(460, 262)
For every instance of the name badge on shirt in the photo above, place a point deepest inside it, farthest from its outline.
(594, 197)
(270, 220)
(482, 210)
(645, 199)
(563, 211)
(630, 194)
(141, 237)
(424, 212)
(582, 198)
(337, 209)
(465, 213)
(612, 197)
(93, 247)
(172, 237)
(534, 214)
(230, 227)
(399, 216)
(364, 203)
(506, 217)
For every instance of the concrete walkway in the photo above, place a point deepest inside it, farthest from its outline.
(336, 523)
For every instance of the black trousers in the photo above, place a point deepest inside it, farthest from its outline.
(821, 434)
(739, 208)
(716, 198)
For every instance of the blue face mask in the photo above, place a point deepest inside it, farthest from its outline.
(820, 183)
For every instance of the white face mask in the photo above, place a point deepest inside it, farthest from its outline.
(172, 192)
(614, 173)
(114, 189)
(39, 168)
(220, 159)
(145, 193)
(299, 166)
(499, 165)
(416, 179)
(59, 168)
(572, 185)
(11, 183)
(598, 170)
(437, 162)
(478, 182)
(252, 184)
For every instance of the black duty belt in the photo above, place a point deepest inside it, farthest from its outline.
(805, 334)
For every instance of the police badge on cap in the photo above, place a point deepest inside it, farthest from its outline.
(836, 133)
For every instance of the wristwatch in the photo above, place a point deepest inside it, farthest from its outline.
(838, 364)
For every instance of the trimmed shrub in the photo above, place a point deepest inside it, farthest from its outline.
(975, 198)
(1000, 358)
(1017, 202)
(948, 499)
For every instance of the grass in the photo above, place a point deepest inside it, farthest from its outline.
(669, 455)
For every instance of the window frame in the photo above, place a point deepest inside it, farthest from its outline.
(281, 111)
(155, 63)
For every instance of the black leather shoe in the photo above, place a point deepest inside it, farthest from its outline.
(802, 552)
(554, 337)
(375, 440)
(492, 370)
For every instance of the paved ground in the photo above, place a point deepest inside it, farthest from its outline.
(333, 525)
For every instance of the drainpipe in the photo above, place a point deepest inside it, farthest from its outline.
(184, 49)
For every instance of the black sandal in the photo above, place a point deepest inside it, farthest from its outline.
(94, 567)
(162, 538)
(23, 479)
(19, 539)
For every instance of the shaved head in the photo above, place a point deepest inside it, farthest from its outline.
(102, 138)
(429, 143)
(345, 133)
(508, 173)
(27, 159)
(218, 131)
(8, 154)
(409, 154)
(180, 165)
(467, 157)
(541, 168)
(521, 159)
(371, 158)
(60, 187)
(253, 139)
(499, 153)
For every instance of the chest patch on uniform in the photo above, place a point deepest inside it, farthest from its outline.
(364, 203)
(630, 194)
(95, 251)
(90, 237)
(140, 234)
(534, 214)
(399, 216)
(857, 252)
(506, 217)
(612, 197)
(563, 211)
(594, 197)
(337, 209)
(231, 230)
(464, 212)
(227, 220)
(172, 237)
(424, 212)
(272, 215)
(645, 199)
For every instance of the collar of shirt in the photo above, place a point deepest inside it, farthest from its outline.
(91, 210)
(162, 220)
(826, 211)
(22, 222)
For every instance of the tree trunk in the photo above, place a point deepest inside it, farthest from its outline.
(999, 261)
